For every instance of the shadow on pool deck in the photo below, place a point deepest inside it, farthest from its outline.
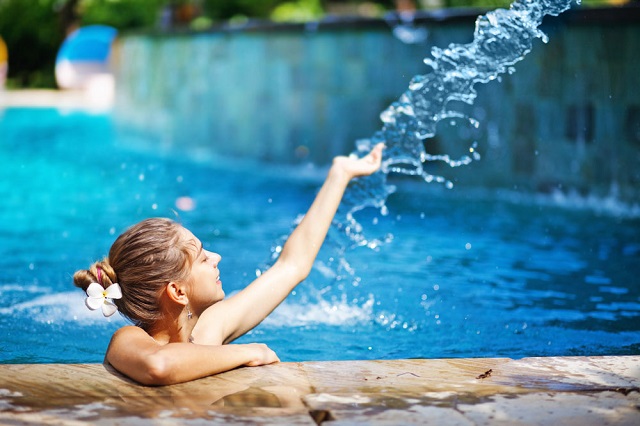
(554, 390)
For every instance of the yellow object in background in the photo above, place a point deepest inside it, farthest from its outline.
(4, 66)
(3, 51)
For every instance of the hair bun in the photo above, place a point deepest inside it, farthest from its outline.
(100, 272)
(106, 275)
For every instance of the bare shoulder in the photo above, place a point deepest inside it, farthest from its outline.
(130, 352)
(129, 330)
(128, 344)
(127, 335)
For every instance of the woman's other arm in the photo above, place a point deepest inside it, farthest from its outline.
(243, 311)
(135, 354)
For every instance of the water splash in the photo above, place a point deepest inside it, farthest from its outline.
(338, 312)
(55, 308)
(501, 38)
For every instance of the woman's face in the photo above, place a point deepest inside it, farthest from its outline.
(206, 286)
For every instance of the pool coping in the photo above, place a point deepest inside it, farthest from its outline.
(86, 100)
(548, 390)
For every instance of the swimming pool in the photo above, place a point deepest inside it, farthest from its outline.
(466, 273)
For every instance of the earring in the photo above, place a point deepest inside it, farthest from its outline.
(189, 314)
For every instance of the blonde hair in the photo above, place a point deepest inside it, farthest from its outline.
(143, 260)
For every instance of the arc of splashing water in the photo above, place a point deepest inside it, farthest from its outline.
(501, 38)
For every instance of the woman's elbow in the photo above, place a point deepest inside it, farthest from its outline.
(296, 271)
(156, 371)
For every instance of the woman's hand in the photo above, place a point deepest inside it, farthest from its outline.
(261, 355)
(364, 166)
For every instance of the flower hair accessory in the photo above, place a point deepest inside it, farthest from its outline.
(98, 297)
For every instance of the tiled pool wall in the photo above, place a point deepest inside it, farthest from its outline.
(568, 118)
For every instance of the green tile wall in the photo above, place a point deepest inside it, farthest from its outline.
(295, 96)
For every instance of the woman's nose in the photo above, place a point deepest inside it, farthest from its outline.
(214, 257)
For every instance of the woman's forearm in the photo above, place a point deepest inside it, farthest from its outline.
(246, 309)
(305, 241)
(180, 362)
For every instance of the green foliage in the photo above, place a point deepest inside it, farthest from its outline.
(121, 14)
(227, 9)
(492, 4)
(33, 34)
(298, 11)
(488, 4)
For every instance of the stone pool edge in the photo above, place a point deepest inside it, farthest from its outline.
(549, 390)
(82, 100)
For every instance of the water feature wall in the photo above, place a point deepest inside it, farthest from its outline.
(568, 118)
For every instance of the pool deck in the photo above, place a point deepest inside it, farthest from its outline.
(50, 98)
(530, 391)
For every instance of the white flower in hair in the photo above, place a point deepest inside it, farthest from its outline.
(98, 297)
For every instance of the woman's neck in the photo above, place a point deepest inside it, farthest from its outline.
(178, 330)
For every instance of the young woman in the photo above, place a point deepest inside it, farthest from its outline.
(159, 276)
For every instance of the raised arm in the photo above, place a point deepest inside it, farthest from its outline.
(134, 353)
(243, 311)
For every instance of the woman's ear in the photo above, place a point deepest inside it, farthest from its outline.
(176, 293)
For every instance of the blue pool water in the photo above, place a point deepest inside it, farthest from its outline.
(465, 274)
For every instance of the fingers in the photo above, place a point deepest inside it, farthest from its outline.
(366, 165)
(376, 152)
(375, 156)
(263, 355)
